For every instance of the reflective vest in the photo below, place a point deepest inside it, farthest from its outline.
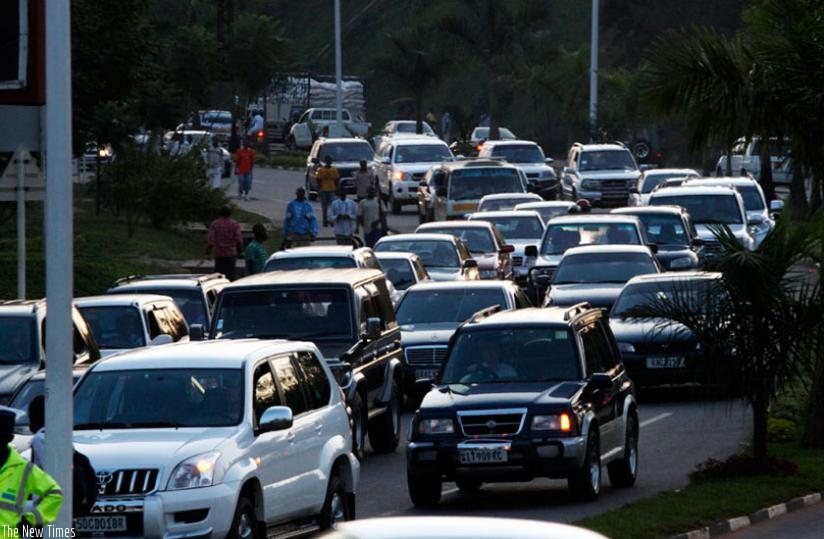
(20, 480)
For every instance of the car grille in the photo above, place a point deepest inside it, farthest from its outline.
(126, 482)
(425, 355)
(663, 348)
(533, 175)
(613, 191)
(418, 175)
(517, 260)
(347, 172)
(712, 248)
(491, 422)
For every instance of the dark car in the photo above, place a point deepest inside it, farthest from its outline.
(526, 394)
(597, 273)
(671, 230)
(346, 154)
(656, 351)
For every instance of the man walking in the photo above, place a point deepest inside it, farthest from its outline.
(364, 179)
(21, 480)
(214, 162)
(299, 225)
(446, 125)
(372, 217)
(245, 161)
(226, 240)
(343, 213)
(328, 177)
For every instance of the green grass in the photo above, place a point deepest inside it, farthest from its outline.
(295, 159)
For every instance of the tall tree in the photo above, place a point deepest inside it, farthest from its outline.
(255, 51)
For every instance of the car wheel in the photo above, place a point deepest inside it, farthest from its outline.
(396, 205)
(424, 489)
(244, 523)
(359, 420)
(468, 486)
(336, 508)
(585, 483)
(641, 149)
(623, 472)
(385, 430)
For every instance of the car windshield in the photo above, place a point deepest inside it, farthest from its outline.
(441, 306)
(664, 229)
(190, 301)
(474, 183)
(482, 133)
(159, 398)
(602, 268)
(217, 117)
(692, 293)
(531, 354)
(433, 253)
(288, 263)
(422, 153)
(477, 239)
(560, 237)
(519, 153)
(411, 127)
(325, 314)
(502, 204)
(516, 227)
(33, 387)
(753, 200)
(651, 180)
(607, 160)
(350, 151)
(705, 209)
(546, 212)
(115, 327)
(399, 271)
(18, 340)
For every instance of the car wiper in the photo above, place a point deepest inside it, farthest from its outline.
(100, 426)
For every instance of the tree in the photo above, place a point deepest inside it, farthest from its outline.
(255, 51)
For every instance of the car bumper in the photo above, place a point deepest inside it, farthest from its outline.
(405, 191)
(601, 199)
(696, 369)
(527, 459)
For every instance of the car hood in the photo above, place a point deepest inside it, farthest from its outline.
(615, 174)
(427, 334)
(500, 395)
(13, 375)
(531, 168)
(414, 167)
(597, 294)
(520, 244)
(445, 274)
(148, 448)
(667, 253)
(648, 330)
(486, 261)
(549, 260)
(738, 230)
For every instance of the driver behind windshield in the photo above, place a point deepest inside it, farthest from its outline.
(489, 364)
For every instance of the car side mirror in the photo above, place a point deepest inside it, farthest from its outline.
(548, 160)
(531, 251)
(633, 191)
(196, 332)
(507, 248)
(385, 160)
(373, 328)
(599, 380)
(470, 263)
(163, 338)
(276, 418)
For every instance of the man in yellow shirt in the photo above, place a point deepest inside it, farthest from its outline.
(21, 480)
(328, 177)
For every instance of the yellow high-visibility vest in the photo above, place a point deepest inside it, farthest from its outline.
(21, 480)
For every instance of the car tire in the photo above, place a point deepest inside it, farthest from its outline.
(424, 489)
(623, 472)
(359, 420)
(396, 205)
(585, 483)
(641, 149)
(468, 486)
(385, 430)
(337, 507)
(244, 523)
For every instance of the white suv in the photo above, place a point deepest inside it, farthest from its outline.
(600, 173)
(400, 163)
(215, 439)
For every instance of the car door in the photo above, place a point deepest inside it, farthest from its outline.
(599, 359)
(301, 132)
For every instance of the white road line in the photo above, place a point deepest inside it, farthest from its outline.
(450, 491)
(659, 417)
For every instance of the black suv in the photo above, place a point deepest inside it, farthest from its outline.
(526, 394)
(348, 314)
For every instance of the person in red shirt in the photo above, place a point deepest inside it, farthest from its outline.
(226, 241)
(245, 159)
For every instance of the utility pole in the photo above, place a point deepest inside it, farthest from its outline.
(338, 131)
(593, 75)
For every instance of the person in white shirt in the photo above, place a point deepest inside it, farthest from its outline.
(256, 125)
(342, 214)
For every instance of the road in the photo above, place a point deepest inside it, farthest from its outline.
(806, 523)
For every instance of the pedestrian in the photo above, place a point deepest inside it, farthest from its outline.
(186, 145)
(431, 119)
(21, 480)
(372, 217)
(244, 163)
(257, 124)
(214, 162)
(364, 178)
(300, 227)
(343, 213)
(255, 253)
(446, 125)
(225, 239)
(328, 177)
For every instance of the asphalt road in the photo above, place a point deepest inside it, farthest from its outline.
(806, 523)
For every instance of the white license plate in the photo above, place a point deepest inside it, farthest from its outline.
(431, 374)
(676, 362)
(483, 455)
(108, 523)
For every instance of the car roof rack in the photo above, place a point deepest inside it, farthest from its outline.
(485, 162)
(576, 309)
(200, 277)
(484, 313)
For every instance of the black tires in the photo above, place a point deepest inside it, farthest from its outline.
(385, 430)
(585, 483)
(337, 507)
(641, 149)
(359, 419)
(244, 523)
(624, 472)
(424, 489)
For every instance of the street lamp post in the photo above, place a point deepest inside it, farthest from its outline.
(338, 131)
(593, 75)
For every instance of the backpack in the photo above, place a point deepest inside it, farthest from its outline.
(84, 478)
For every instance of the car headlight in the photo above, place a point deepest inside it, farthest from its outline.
(436, 426)
(400, 176)
(558, 422)
(626, 347)
(589, 184)
(681, 263)
(194, 472)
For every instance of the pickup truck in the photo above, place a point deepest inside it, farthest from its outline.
(318, 122)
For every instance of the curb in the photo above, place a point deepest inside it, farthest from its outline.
(736, 523)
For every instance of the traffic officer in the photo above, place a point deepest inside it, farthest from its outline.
(20, 480)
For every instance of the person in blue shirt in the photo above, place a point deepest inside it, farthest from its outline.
(300, 227)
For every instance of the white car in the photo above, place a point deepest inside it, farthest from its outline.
(506, 201)
(746, 159)
(215, 439)
(651, 178)
(548, 208)
(519, 229)
(402, 128)
(530, 158)
(400, 163)
(403, 270)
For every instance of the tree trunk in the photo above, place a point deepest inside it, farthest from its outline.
(728, 172)
(815, 198)
(419, 113)
(494, 132)
(760, 407)
(765, 174)
(798, 193)
(814, 429)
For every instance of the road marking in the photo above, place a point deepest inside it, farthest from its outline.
(659, 417)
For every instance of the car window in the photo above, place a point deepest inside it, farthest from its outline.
(560, 237)
(475, 183)
(519, 227)
(519, 153)
(602, 268)
(400, 272)
(664, 229)
(422, 153)
(597, 350)
(318, 389)
(289, 385)
(18, 340)
(607, 160)
(115, 327)
(288, 263)
(447, 306)
(477, 239)
(712, 209)
(433, 253)
(265, 391)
